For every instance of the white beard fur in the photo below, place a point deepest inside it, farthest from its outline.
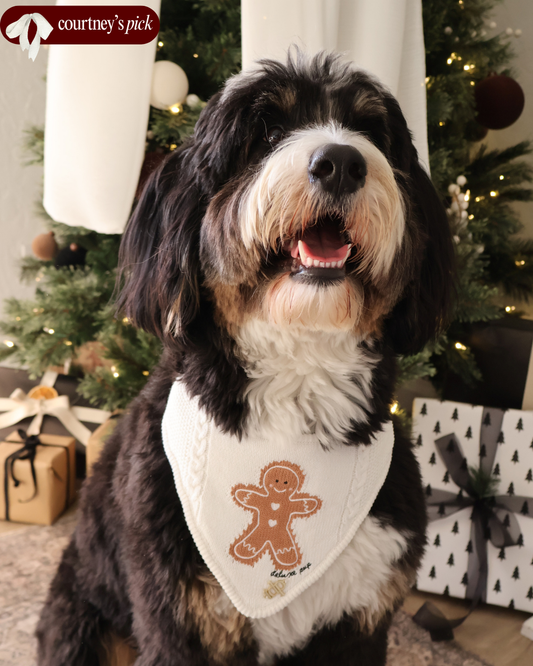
(302, 381)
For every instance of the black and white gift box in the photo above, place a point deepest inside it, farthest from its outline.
(477, 545)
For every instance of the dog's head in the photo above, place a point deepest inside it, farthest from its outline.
(299, 201)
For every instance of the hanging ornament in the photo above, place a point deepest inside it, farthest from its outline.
(499, 101)
(44, 246)
(169, 85)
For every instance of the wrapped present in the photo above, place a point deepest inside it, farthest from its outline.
(477, 468)
(38, 477)
(98, 439)
(503, 353)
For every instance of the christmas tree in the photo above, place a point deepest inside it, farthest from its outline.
(72, 315)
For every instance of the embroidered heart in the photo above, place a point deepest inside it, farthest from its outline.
(275, 507)
(272, 523)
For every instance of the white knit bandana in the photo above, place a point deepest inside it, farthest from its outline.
(268, 517)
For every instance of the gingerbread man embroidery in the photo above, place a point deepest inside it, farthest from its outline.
(275, 504)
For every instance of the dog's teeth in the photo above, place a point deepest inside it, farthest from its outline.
(328, 264)
(322, 264)
(308, 261)
(316, 262)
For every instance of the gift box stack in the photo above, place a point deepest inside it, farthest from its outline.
(38, 459)
(477, 468)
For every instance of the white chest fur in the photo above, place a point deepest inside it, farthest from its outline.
(305, 382)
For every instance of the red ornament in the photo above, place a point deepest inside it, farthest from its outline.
(499, 101)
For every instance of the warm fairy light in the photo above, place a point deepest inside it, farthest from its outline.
(17, 318)
(449, 61)
(195, 55)
(115, 374)
(160, 44)
(502, 177)
(173, 146)
(68, 343)
(510, 308)
(470, 217)
(467, 195)
(480, 198)
(145, 373)
(125, 320)
(113, 368)
(9, 343)
(458, 345)
(394, 408)
(520, 262)
(494, 193)
(466, 67)
(472, 83)
(441, 123)
(176, 108)
(427, 79)
(36, 310)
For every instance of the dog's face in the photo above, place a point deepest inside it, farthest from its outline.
(300, 202)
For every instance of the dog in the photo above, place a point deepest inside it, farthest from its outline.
(285, 255)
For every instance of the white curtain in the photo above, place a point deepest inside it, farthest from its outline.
(384, 37)
(98, 100)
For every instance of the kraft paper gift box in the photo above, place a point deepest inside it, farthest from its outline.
(478, 546)
(37, 496)
(98, 439)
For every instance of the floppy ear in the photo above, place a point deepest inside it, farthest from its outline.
(423, 310)
(158, 258)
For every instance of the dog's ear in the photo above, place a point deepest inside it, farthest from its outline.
(158, 259)
(425, 305)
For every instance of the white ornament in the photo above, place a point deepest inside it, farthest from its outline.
(192, 101)
(455, 207)
(473, 33)
(169, 85)
(509, 31)
(461, 181)
(457, 240)
(448, 30)
(453, 189)
(493, 25)
(149, 135)
(517, 33)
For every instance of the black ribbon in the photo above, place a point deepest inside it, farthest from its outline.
(28, 452)
(492, 518)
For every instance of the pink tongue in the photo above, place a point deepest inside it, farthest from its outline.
(323, 244)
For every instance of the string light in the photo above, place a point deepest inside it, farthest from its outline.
(467, 195)
(17, 318)
(480, 198)
(520, 262)
(472, 83)
(125, 320)
(68, 343)
(145, 373)
(176, 108)
(173, 146)
(458, 345)
(510, 308)
(9, 343)
(160, 44)
(442, 123)
(394, 408)
(471, 217)
(51, 331)
(494, 193)
(195, 55)
(115, 375)
(502, 177)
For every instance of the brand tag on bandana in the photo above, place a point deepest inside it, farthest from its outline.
(268, 517)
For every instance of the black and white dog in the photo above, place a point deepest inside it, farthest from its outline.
(285, 255)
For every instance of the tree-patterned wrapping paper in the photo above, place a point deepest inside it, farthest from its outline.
(445, 565)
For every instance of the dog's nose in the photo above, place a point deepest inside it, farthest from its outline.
(338, 168)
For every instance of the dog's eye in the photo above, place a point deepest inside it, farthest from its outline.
(273, 135)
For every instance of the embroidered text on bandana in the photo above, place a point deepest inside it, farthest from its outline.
(268, 517)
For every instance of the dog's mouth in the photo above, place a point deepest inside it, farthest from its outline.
(318, 252)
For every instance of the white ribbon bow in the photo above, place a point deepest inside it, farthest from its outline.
(19, 406)
(21, 28)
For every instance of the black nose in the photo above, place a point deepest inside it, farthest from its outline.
(338, 168)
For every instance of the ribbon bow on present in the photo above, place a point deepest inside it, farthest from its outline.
(28, 451)
(22, 26)
(44, 399)
(488, 521)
